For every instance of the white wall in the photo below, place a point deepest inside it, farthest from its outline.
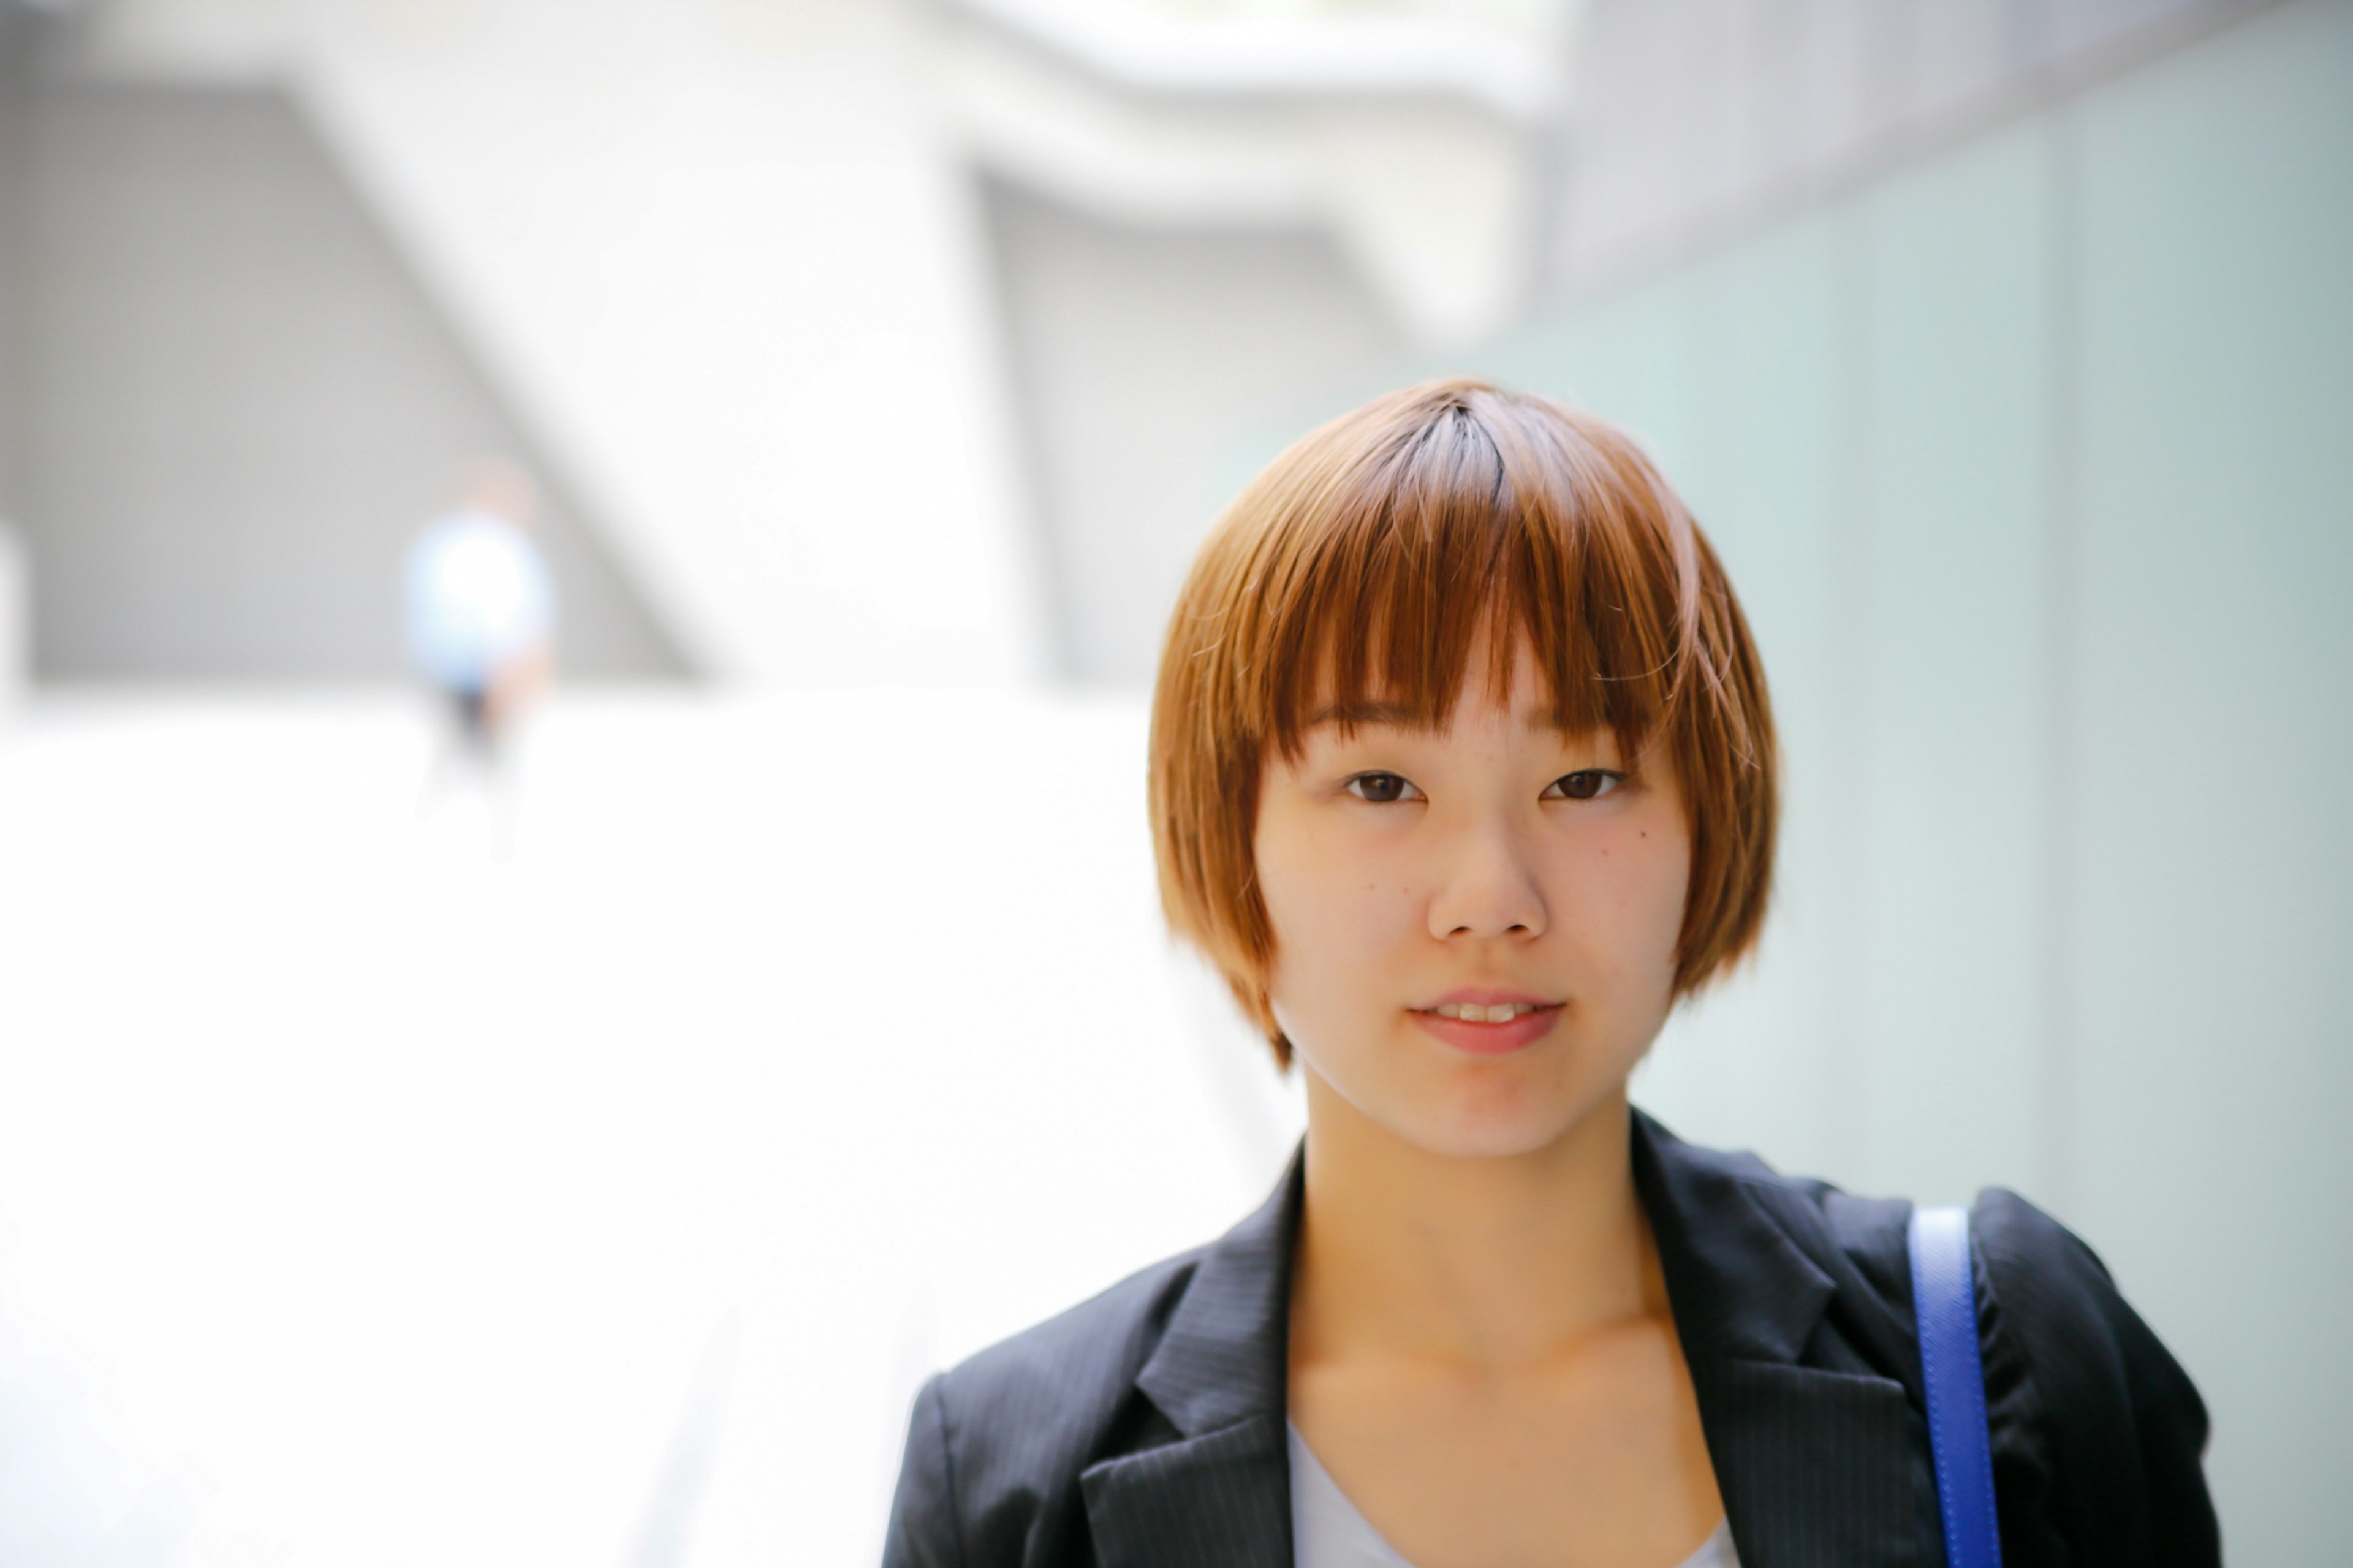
(1202, 213)
(369, 1199)
(233, 407)
(723, 260)
(1138, 354)
(1412, 137)
(718, 260)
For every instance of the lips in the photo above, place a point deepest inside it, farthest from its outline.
(1484, 1013)
(1485, 1023)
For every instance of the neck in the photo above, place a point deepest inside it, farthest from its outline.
(1489, 1262)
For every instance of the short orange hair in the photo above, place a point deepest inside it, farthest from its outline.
(1373, 560)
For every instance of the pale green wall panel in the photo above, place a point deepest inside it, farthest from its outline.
(1769, 481)
(1641, 357)
(1948, 801)
(2214, 581)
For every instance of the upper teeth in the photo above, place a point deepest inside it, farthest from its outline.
(1478, 1012)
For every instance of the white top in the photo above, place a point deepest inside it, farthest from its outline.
(1326, 1530)
(478, 596)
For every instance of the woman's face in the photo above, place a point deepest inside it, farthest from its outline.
(1474, 929)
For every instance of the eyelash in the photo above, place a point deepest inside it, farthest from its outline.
(1610, 779)
(1356, 786)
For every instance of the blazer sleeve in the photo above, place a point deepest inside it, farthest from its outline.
(2099, 1436)
(925, 1530)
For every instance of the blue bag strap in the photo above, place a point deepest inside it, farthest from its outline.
(1944, 1296)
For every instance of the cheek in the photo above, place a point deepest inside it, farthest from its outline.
(1623, 898)
(1334, 920)
(1652, 892)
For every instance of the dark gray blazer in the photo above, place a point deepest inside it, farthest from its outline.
(1145, 1429)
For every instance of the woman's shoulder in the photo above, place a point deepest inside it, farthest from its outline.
(1079, 1362)
(1001, 1447)
(2098, 1434)
(996, 1444)
(2037, 1280)
(2046, 1281)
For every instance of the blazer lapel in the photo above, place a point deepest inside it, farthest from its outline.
(1223, 1498)
(1220, 1495)
(1817, 1466)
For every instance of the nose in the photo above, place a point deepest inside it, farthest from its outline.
(1489, 886)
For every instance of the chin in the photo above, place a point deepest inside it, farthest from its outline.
(1482, 1141)
(1486, 1127)
(1466, 1108)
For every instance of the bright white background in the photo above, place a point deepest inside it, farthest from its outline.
(373, 1199)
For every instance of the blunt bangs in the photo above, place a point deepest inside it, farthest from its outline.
(1373, 564)
(1481, 535)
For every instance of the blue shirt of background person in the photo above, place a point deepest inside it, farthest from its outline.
(478, 597)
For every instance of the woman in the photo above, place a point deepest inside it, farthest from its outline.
(1463, 772)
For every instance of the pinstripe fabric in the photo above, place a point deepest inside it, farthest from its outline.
(1145, 1429)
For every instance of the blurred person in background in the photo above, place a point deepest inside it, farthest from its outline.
(1463, 774)
(481, 613)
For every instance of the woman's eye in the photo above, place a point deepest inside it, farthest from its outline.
(1382, 789)
(1585, 784)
